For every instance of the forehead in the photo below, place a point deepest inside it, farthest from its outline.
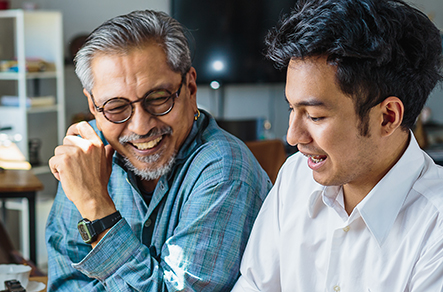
(313, 80)
(140, 69)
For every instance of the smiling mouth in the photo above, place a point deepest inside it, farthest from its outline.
(316, 158)
(148, 145)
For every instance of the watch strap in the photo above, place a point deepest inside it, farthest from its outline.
(109, 221)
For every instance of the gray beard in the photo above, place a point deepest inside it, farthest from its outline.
(150, 174)
(146, 173)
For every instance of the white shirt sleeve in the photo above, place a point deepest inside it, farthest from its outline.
(428, 271)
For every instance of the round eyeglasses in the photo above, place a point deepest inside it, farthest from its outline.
(158, 103)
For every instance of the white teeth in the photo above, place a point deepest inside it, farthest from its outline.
(315, 159)
(148, 145)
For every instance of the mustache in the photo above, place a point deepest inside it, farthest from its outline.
(310, 149)
(153, 132)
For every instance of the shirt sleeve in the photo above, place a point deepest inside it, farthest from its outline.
(428, 271)
(260, 266)
(64, 247)
(203, 254)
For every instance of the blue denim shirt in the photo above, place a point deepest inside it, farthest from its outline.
(192, 235)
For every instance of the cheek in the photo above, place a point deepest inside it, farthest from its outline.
(181, 131)
(331, 137)
(181, 125)
(342, 144)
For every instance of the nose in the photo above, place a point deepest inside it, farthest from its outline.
(141, 122)
(298, 132)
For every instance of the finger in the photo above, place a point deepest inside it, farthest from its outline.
(63, 149)
(84, 130)
(72, 130)
(79, 142)
(75, 141)
(53, 168)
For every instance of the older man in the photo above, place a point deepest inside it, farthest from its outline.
(360, 207)
(171, 209)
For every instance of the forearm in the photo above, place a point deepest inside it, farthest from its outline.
(118, 263)
(121, 262)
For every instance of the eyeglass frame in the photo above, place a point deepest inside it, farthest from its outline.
(173, 96)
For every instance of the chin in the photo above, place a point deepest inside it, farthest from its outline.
(325, 181)
(151, 170)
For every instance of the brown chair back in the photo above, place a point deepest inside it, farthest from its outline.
(270, 154)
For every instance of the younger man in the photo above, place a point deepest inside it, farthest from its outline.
(360, 207)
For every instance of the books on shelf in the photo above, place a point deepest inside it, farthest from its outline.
(32, 65)
(9, 100)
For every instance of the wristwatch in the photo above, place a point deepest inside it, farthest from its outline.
(89, 231)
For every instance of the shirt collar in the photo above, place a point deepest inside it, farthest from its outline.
(315, 202)
(381, 206)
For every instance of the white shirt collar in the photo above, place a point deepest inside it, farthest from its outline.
(381, 206)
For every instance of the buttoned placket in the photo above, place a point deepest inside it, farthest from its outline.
(340, 224)
(341, 231)
(149, 224)
(333, 281)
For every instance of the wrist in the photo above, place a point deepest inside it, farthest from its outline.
(94, 210)
(91, 231)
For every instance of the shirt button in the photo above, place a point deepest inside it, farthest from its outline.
(336, 288)
(148, 223)
(346, 229)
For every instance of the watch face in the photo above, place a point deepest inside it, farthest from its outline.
(84, 231)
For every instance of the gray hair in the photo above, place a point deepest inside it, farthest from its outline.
(121, 34)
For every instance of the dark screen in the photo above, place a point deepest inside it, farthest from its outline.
(231, 32)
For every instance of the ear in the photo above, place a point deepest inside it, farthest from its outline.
(392, 111)
(92, 107)
(90, 103)
(192, 86)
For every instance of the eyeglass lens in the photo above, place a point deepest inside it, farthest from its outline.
(156, 103)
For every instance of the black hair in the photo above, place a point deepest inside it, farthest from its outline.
(380, 48)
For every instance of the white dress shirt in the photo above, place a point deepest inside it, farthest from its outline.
(304, 241)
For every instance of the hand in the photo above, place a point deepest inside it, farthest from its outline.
(83, 166)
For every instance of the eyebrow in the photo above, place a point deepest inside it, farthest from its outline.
(309, 102)
(143, 96)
